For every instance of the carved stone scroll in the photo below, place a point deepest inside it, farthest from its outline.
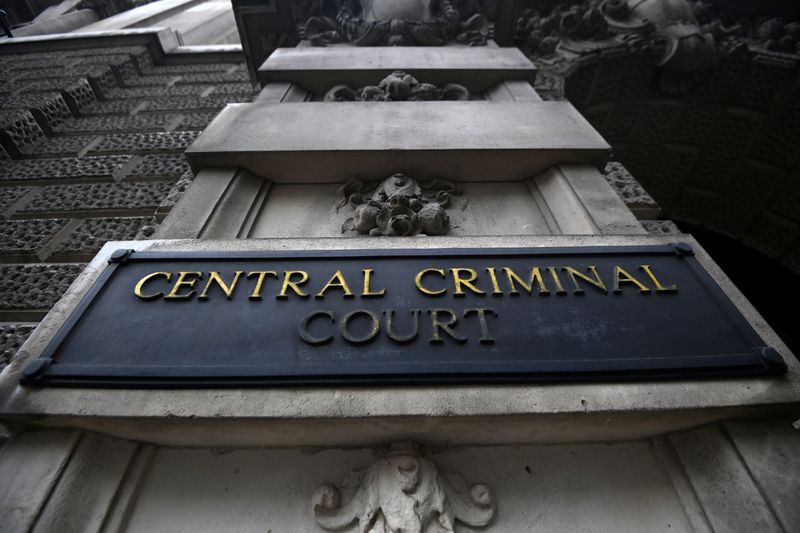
(403, 492)
(397, 206)
(397, 87)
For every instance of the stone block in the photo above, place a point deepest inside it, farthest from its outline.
(12, 337)
(195, 102)
(157, 92)
(116, 123)
(21, 239)
(34, 287)
(125, 197)
(108, 107)
(63, 168)
(175, 194)
(87, 239)
(21, 133)
(214, 77)
(319, 69)
(67, 145)
(9, 195)
(143, 143)
(160, 166)
(469, 141)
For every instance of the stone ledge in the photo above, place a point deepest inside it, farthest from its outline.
(474, 141)
(452, 414)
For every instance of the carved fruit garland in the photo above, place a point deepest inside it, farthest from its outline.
(397, 206)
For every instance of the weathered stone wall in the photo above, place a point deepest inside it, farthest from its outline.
(91, 150)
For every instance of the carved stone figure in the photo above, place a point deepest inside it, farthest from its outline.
(403, 493)
(669, 29)
(397, 22)
(397, 86)
(397, 206)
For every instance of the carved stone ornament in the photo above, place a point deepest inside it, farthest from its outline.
(395, 87)
(397, 22)
(397, 206)
(668, 29)
(403, 493)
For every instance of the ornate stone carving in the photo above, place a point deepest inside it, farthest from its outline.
(404, 493)
(397, 206)
(398, 22)
(397, 86)
(668, 29)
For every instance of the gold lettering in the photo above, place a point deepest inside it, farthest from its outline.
(256, 294)
(659, 286)
(554, 274)
(214, 277)
(466, 282)
(622, 276)
(418, 281)
(486, 337)
(574, 274)
(181, 282)
(337, 281)
(496, 291)
(444, 326)
(375, 326)
(536, 276)
(139, 286)
(389, 319)
(294, 285)
(367, 292)
(302, 329)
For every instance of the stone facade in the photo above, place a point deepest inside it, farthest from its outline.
(92, 150)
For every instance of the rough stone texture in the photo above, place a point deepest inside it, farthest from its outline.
(12, 337)
(722, 154)
(63, 168)
(154, 92)
(26, 237)
(93, 233)
(22, 133)
(176, 192)
(146, 142)
(194, 102)
(630, 190)
(34, 287)
(113, 123)
(67, 145)
(122, 196)
(661, 227)
(158, 165)
(9, 195)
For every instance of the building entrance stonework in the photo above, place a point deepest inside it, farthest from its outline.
(349, 149)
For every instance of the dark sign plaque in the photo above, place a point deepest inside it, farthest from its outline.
(195, 319)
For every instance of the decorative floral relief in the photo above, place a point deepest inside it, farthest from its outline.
(404, 493)
(395, 87)
(397, 206)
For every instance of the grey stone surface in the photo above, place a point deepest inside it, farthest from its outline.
(108, 107)
(771, 451)
(9, 195)
(145, 142)
(422, 138)
(157, 92)
(214, 101)
(23, 238)
(114, 123)
(34, 287)
(12, 337)
(176, 193)
(62, 145)
(103, 196)
(661, 227)
(21, 133)
(160, 165)
(87, 239)
(319, 69)
(63, 168)
(730, 497)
